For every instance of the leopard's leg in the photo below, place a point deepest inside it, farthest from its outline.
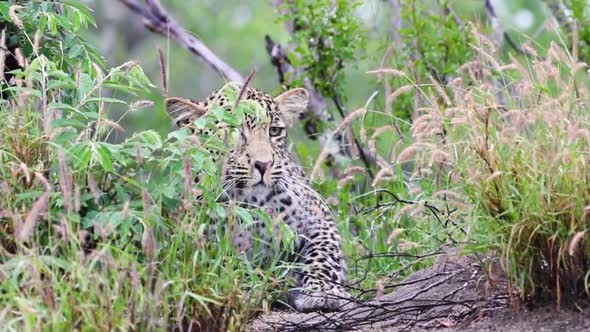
(320, 281)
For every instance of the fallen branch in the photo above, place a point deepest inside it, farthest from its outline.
(157, 19)
(453, 292)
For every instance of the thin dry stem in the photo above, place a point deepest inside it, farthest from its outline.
(14, 16)
(24, 231)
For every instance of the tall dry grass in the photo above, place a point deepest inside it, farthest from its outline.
(508, 144)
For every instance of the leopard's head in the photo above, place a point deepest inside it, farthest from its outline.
(259, 157)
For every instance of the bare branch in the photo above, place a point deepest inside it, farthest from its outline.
(396, 19)
(557, 10)
(157, 20)
(498, 33)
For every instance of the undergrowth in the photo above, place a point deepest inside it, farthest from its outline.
(109, 236)
(510, 145)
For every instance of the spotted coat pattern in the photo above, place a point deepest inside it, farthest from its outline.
(262, 173)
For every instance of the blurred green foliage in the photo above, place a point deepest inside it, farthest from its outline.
(236, 30)
(327, 37)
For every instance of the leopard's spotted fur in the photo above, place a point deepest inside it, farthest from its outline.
(264, 174)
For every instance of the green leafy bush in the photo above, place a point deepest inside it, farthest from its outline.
(326, 35)
(433, 43)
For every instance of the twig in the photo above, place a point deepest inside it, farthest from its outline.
(499, 35)
(498, 32)
(556, 9)
(157, 19)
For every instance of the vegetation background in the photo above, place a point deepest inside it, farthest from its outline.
(235, 31)
(445, 123)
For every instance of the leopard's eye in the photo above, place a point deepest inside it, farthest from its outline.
(275, 131)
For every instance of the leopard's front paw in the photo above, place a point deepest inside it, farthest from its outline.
(333, 299)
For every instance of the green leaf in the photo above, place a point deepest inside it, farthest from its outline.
(68, 123)
(244, 215)
(85, 85)
(151, 138)
(81, 154)
(65, 107)
(66, 136)
(103, 155)
(55, 85)
(203, 301)
(132, 182)
(75, 51)
(82, 10)
(169, 192)
(105, 100)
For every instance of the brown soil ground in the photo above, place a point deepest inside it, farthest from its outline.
(544, 319)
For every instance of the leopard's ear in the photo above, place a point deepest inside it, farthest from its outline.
(184, 111)
(292, 104)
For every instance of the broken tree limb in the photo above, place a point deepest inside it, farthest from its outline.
(157, 19)
(454, 291)
(497, 36)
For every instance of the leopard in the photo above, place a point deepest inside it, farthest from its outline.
(265, 175)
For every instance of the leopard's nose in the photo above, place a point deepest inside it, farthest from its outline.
(262, 166)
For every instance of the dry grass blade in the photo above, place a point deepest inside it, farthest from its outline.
(394, 234)
(188, 180)
(3, 53)
(244, 87)
(389, 71)
(163, 71)
(93, 186)
(14, 16)
(576, 239)
(26, 229)
(65, 182)
(140, 104)
(148, 241)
